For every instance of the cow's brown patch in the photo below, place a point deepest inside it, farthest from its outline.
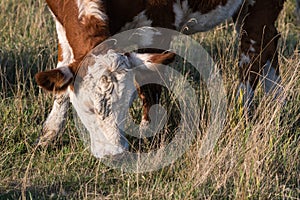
(161, 14)
(82, 34)
(60, 53)
(165, 58)
(121, 12)
(205, 6)
(159, 2)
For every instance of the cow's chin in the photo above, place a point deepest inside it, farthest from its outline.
(103, 147)
(107, 138)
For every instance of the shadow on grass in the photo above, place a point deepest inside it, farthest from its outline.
(47, 192)
(18, 67)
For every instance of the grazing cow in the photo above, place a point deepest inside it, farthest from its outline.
(83, 24)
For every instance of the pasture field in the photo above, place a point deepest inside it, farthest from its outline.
(253, 159)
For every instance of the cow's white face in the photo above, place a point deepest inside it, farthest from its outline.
(99, 99)
(102, 97)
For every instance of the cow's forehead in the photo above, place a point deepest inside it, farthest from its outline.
(111, 62)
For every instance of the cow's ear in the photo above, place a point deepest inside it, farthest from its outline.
(150, 61)
(56, 80)
(163, 58)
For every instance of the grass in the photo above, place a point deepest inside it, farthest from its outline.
(257, 159)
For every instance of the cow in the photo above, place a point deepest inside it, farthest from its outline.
(83, 24)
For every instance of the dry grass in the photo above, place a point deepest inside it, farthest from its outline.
(252, 159)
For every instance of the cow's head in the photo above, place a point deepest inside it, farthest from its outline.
(101, 89)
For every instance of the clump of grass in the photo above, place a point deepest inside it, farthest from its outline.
(252, 159)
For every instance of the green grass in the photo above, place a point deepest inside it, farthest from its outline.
(252, 159)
